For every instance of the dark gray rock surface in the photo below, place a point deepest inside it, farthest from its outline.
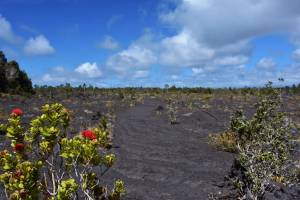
(158, 160)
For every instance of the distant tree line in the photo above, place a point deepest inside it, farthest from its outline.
(14, 80)
(84, 90)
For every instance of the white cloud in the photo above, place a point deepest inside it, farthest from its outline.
(55, 78)
(89, 70)
(174, 77)
(84, 73)
(184, 50)
(197, 70)
(135, 57)
(266, 63)
(213, 40)
(59, 69)
(57, 74)
(109, 43)
(141, 74)
(39, 45)
(222, 30)
(219, 23)
(6, 32)
(210, 34)
(231, 60)
(238, 47)
(47, 78)
(296, 54)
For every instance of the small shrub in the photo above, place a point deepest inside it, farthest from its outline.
(264, 146)
(172, 110)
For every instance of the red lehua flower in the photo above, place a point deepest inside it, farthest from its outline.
(89, 134)
(17, 112)
(19, 147)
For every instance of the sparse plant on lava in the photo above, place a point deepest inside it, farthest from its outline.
(172, 110)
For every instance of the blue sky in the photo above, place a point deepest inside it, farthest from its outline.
(153, 42)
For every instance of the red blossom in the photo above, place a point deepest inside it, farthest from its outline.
(17, 112)
(89, 134)
(19, 147)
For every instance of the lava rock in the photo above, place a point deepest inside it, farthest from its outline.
(97, 116)
(159, 108)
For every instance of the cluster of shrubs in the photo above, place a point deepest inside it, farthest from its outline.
(45, 163)
(12, 79)
(264, 145)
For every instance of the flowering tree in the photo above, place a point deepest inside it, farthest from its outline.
(45, 163)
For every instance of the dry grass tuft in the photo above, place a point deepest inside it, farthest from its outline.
(226, 141)
(3, 115)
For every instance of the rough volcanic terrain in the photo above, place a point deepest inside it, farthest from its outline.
(156, 159)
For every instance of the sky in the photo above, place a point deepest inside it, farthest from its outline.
(151, 43)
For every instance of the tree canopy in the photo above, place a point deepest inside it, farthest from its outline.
(12, 78)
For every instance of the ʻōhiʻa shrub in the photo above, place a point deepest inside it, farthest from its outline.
(44, 163)
(264, 146)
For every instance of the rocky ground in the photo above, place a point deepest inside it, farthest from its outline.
(156, 159)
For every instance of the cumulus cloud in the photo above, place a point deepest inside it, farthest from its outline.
(220, 23)
(174, 77)
(84, 73)
(58, 75)
(6, 32)
(47, 78)
(59, 69)
(266, 63)
(90, 70)
(39, 45)
(135, 57)
(212, 40)
(141, 74)
(197, 70)
(183, 49)
(108, 43)
(231, 60)
(296, 54)
(212, 37)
